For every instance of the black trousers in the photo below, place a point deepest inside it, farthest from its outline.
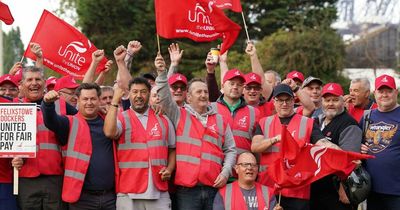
(41, 193)
(95, 200)
(294, 203)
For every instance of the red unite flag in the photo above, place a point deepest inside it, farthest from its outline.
(233, 5)
(65, 49)
(5, 14)
(300, 166)
(199, 20)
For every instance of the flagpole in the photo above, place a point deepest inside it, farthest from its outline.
(279, 199)
(245, 27)
(158, 43)
(22, 59)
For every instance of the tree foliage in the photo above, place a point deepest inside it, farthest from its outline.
(13, 48)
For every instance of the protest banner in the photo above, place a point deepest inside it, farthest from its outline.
(17, 132)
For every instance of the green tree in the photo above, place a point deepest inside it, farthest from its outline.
(13, 48)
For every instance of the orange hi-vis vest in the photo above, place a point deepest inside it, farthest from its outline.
(79, 151)
(243, 124)
(48, 159)
(233, 196)
(199, 154)
(137, 147)
(300, 128)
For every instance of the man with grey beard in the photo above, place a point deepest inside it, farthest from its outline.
(341, 129)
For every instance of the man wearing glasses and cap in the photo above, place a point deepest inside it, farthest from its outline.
(66, 87)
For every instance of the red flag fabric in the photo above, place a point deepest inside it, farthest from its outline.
(5, 14)
(302, 166)
(195, 19)
(65, 49)
(233, 5)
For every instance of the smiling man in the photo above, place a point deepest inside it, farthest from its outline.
(245, 193)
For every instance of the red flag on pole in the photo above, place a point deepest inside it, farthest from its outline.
(65, 49)
(5, 14)
(198, 20)
(311, 163)
(233, 5)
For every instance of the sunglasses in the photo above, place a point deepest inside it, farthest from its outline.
(255, 87)
(176, 87)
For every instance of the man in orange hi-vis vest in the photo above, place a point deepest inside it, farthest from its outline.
(145, 150)
(205, 149)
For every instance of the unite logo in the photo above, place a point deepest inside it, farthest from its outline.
(154, 131)
(72, 54)
(199, 15)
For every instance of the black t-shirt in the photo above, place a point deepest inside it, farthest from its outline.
(316, 134)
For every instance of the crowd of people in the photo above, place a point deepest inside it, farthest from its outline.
(159, 141)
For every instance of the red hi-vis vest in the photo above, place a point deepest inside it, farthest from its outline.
(136, 148)
(199, 154)
(300, 128)
(48, 156)
(77, 158)
(233, 196)
(243, 124)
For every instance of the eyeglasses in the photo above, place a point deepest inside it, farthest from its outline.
(248, 165)
(9, 89)
(176, 87)
(255, 87)
(280, 102)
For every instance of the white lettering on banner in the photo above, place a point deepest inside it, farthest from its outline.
(71, 56)
(199, 15)
(196, 34)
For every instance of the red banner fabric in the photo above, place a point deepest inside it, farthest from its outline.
(198, 20)
(300, 166)
(5, 14)
(65, 49)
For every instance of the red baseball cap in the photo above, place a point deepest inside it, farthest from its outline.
(332, 88)
(66, 82)
(385, 80)
(8, 78)
(233, 73)
(295, 75)
(252, 77)
(177, 78)
(51, 81)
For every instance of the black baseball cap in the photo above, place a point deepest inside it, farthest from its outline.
(282, 89)
(149, 76)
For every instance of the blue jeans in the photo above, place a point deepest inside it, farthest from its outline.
(379, 201)
(7, 200)
(195, 198)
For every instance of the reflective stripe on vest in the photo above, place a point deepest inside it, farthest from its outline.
(75, 175)
(49, 146)
(268, 122)
(263, 168)
(265, 193)
(57, 107)
(71, 143)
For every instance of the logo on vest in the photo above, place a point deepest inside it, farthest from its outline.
(154, 131)
(380, 135)
(212, 128)
(243, 122)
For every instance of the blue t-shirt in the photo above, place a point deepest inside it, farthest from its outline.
(383, 137)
